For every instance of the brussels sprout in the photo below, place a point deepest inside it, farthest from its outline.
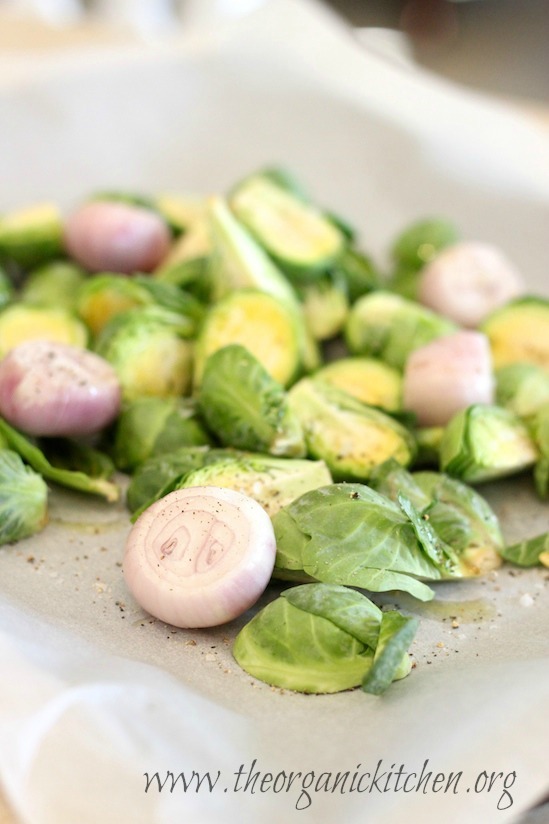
(244, 407)
(153, 426)
(146, 348)
(238, 262)
(59, 475)
(77, 456)
(319, 638)
(358, 273)
(272, 482)
(390, 327)
(428, 440)
(485, 442)
(350, 534)
(293, 232)
(519, 332)
(523, 388)
(539, 430)
(53, 284)
(529, 553)
(368, 380)
(23, 499)
(325, 306)
(259, 322)
(404, 281)
(180, 212)
(421, 241)
(6, 288)
(351, 437)
(22, 322)
(32, 235)
(160, 473)
(459, 515)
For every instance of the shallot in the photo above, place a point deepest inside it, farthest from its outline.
(200, 557)
(54, 389)
(446, 375)
(116, 237)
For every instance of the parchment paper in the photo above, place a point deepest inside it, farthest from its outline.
(80, 725)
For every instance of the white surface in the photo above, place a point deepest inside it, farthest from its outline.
(382, 145)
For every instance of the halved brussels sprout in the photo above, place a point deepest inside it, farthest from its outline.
(325, 306)
(20, 322)
(147, 349)
(390, 327)
(106, 295)
(153, 426)
(245, 407)
(351, 437)
(272, 482)
(53, 284)
(522, 387)
(23, 499)
(179, 211)
(539, 430)
(321, 638)
(295, 233)
(370, 381)
(486, 442)
(259, 322)
(32, 235)
(519, 332)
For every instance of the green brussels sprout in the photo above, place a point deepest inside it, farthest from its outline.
(244, 407)
(482, 443)
(104, 296)
(159, 474)
(349, 534)
(522, 387)
(31, 236)
(370, 381)
(519, 332)
(297, 235)
(153, 426)
(272, 482)
(146, 348)
(325, 306)
(181, 212)
(428, 440)
(259, 322)
(459, 515)
(54, 284)
(6, 288)
(539, 430)
(20, 322)
(390, 327)
(420, 243)
(350, 436)
(23, 498)
(358, 272)
(320, 638)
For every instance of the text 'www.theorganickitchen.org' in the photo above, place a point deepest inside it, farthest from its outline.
(303, 787)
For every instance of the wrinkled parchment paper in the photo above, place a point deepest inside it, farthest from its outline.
(94, 694)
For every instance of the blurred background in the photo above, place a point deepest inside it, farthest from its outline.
(496, 46)
(499, 46)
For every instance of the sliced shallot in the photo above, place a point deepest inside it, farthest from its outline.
(447, 375)
(200, 557)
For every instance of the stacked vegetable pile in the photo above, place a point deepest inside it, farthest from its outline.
(283, 410)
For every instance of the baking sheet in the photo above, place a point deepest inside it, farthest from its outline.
(382, 145)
